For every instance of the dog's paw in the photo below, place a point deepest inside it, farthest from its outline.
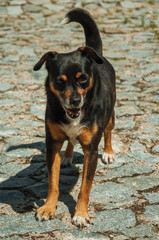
(108, 158)
(80, 222)
(66, 161)
(45, 213)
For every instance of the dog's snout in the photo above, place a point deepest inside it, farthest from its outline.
(75, 100)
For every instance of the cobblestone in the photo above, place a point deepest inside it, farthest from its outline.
(124, 201)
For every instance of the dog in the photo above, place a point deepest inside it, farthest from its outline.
(81, 94)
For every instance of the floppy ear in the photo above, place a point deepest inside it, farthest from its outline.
(47, 56)
(91, 53)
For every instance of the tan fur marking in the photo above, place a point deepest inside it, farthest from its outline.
(56, 131)
(64, 77)
(87, 134)
(54, 178)
(67, 93)
(90, 85)
(78, 75)
(49, 208)
(83, 197)
(56, 92)
(80, 91)
(82, 49)
(69, 151)
(107, 136)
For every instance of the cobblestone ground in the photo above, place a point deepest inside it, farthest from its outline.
(125, 194)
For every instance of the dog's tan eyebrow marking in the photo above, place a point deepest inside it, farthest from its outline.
(78, 75)
(81, 49)
(64, 77)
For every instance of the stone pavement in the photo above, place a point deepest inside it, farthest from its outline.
(125, 195)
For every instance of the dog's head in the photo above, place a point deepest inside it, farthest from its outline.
(70, 77)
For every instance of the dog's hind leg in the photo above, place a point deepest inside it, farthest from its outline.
(108, 156)
(67, 157)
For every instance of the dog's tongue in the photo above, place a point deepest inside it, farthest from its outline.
(73, 111)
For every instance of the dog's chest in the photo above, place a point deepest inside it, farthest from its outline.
(73, 130)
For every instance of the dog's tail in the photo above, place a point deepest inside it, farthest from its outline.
(93, 38)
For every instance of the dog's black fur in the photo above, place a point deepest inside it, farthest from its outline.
(80, 85)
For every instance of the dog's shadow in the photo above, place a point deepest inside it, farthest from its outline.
(28, 188)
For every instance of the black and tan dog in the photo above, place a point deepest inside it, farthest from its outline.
(80, 89)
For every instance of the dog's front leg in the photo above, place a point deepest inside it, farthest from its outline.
(90, 149)
(53, 147)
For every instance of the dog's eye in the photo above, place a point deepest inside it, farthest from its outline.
(60, 81)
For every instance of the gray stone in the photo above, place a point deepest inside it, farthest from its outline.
(125, 123)
(111, 192)
(11, 169)
(129, 109)
(120, 159)
(54, 7)
(156, 99)
(10, 102)
(39, 2)
(152, 213)
(145, 157)
(140, 182)
(130, 4)
(143, 230)
(3, 11)
(114, 220)
(128, 170)
(29, 82)
(6, 86)
(20, 153)
(147, 238)
(74, 234)
(155, 149)
(14, 11)
(8, 113)
(136, 146)
(28, 124)
(32, 8)
(18, 2)
(15, 182)
(5, 159)
(153, 119)
(13, 238)
(11, 60)
(128, 96)
(152, 197)
(38, 110)
(151, 79)
(13, 142)
(139, 54)
(6, 131)
(149, 68)
(61, 208)
(26, 223)
(26, 51)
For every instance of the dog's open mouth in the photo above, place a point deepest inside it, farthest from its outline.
(73, 112)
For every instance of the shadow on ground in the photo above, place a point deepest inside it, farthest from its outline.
(28, 188)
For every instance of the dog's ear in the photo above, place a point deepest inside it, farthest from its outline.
(91, 54)
(47, 56)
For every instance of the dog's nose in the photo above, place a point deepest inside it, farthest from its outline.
(75, 100)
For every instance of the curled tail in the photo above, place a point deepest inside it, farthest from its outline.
(93, 38)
